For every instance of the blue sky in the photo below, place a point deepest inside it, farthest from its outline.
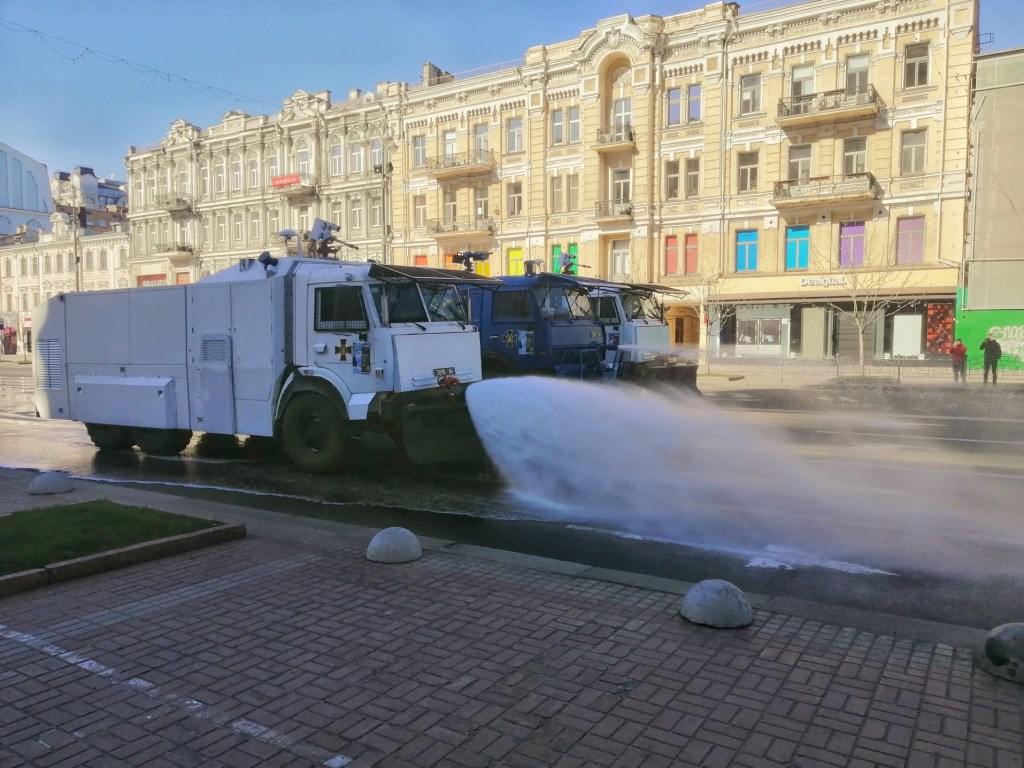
(82, 102)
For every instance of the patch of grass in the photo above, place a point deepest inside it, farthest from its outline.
(34, 538)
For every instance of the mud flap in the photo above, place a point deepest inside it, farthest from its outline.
(440, 434)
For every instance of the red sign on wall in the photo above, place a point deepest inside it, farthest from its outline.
(285, 181)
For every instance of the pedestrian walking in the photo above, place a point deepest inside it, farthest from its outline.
(992, 352)
(958, 356)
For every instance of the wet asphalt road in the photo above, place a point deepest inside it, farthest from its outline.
(971, 580)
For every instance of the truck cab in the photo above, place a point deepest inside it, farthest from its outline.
(541, 324)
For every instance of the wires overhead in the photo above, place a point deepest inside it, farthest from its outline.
(83, 51)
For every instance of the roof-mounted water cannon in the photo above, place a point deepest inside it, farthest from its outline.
(468, 258)
(289, 235)
(569, 263)
(269, 263)
(323, 244)
(532, 266)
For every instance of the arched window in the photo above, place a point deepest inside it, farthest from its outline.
(253, 167)
(204, 178)
(337, 153)
(303, 158)
(182, 181)
(236, 172)
(219, 175)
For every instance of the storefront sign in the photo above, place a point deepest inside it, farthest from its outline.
(285, 181)
(822, 282)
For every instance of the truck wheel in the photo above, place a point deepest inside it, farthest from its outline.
(109, 437)
(313, 433)
(161, 442)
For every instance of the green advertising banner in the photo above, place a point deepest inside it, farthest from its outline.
(974, 326)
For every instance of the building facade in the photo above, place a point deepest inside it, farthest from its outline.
(779, 165)
(98, 204)
(25, 201)
(992, 300)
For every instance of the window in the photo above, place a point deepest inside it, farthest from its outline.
(557, 194)
(338, 212)
(855, 155)
(910, 240)
(672, 180)
(915, 65)
(747, 163)
(273, 221)
(419, 210)
(622, 185)
(222, 228)
(103, 258)
(355, 158)
(620, 260)
(514, 135)
(802, 87)
(857, 73)
(480, 141)
(481, 204)
(800, 162)
(376, 212)
(450, 144)
(254, 172)
(339, 308)
(355, 214)
(218, 175)
(337, 158)
(912, 152)
(236, 172)
(419, 151)
(674, 108)
(515, 198)
(512, 306)
(572, 192)
(692, 180)
(376, 154)
(690, 254)
(254, 225)
(236, 229)
(851, 244)
(450, 205)
(798, 246)
(207, 238)
(750, 94)
(303, 160)
(622, 118)
(693, 107)
(746, 250)
(182, 182)
(671, 255)
(558, 118)
(574, 125)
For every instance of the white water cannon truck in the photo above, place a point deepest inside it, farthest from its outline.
(310, 351)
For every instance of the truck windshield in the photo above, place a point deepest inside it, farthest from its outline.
(606, 312)
(410, 302)
(641, 306)
(563, 303)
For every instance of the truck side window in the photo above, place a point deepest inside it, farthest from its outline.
(339, 308)
(511, 305)
(405, 304)
(606, 310)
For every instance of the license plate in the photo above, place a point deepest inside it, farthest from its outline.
(440, 373)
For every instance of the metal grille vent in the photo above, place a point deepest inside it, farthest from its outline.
(49, 367)
(215, 349)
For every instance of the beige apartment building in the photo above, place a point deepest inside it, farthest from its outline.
(777, 164)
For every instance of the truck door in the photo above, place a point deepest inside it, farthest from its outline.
(338, 335)
(510, 329)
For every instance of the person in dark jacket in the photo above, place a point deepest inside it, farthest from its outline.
(958, 355)
(992, 352)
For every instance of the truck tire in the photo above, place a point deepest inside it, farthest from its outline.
(161, 442)
(109, 437)
(314, 435)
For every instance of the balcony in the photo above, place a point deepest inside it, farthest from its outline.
(828, 107)
(617, 138)
(479, 161)
(856, 186)
(462, 227)
(611, 211)
(179, 254)
(173, 204)
(294, 185)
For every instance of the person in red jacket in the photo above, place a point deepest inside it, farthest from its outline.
(958, 354)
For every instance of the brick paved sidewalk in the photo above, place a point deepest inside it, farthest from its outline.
(291, 649)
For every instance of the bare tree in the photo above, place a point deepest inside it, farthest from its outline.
(871, 284)
(710, 296)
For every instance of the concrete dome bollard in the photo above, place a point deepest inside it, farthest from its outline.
(51, 482)
(1003, 652)
(394, 545)
(716, 603)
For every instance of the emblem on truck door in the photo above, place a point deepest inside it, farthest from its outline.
(342, 351)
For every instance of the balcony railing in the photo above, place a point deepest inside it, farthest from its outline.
(828, 105)
(461, 226)
(616, 136)
(461, 163)
(616, 209)
(294, 184)
(172, 203)
(855, 186)
(172, 248)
